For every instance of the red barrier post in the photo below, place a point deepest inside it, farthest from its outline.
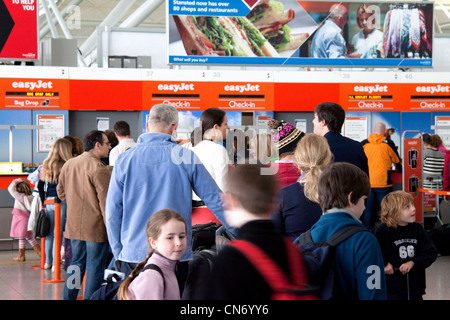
(41, 266)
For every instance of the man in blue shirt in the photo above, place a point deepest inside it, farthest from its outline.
(155, 174)
(328, 41)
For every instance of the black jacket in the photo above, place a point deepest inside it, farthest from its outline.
(403, 244)
(234, 277)
(347, 150)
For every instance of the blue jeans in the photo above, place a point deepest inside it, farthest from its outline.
(50, 238)
(89, 257)
(370, 215)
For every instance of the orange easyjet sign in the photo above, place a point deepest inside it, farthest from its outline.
(101, 94)
(183, 95)
(429, 97)
(197, 95)
(369, 96)
(303, 96)
(242, 96)
(34, 93)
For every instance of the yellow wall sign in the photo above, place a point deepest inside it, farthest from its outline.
(10, 167)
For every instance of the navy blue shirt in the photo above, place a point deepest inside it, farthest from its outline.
(347, 150)
(294, 213)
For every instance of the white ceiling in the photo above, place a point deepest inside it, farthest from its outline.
(83, 19)
(442, 17)
(92, 12)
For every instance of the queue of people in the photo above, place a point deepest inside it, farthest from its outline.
(142, 209)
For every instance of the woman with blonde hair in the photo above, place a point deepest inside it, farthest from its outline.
(60, 152)
(298, 208)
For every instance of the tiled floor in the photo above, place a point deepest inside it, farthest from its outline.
(20, 281)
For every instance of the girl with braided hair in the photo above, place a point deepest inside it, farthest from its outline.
(166, 234)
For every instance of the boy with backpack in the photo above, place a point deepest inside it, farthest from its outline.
(241, 268)
(358, 263)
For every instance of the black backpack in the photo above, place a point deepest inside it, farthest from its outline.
(109, 289)
(42, 227)
(319, 258)
(205, 250)
(204, 236)
(198, 274)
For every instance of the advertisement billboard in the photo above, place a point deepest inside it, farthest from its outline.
(18, 30)
(300, 33)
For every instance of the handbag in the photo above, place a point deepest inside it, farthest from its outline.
(42, 226)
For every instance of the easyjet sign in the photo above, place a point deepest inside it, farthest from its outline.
(242, 88)
(176, 87)
(32, 84)
(433, 89)
(371, 88)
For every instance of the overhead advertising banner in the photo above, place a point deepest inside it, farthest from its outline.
(236, 32)
(303, 33)
(18, 29)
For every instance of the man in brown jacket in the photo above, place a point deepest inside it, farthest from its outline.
(83, 184)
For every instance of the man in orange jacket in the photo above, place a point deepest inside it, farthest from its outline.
(380, 157)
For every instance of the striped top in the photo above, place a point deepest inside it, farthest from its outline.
(433, 166)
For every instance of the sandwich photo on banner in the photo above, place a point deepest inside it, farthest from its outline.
(270, 29)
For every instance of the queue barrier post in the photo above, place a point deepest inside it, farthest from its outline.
(57, 247)
(42, 262)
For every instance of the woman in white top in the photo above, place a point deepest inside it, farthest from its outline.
(369, 41)
(214, 156)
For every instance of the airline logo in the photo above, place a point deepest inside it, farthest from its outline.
(371, 89)
(32, 84)
(176, 87)
(433, 89)
(242, 88)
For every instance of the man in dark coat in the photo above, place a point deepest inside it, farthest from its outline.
(328, 120)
